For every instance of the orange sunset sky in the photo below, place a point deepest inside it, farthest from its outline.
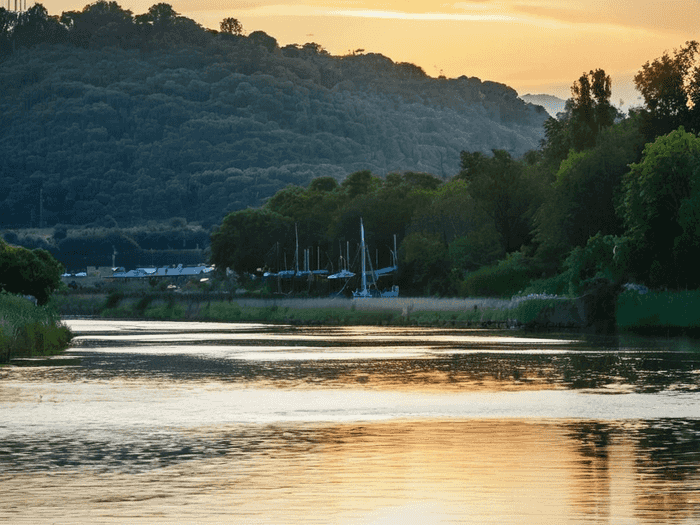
(535, 46)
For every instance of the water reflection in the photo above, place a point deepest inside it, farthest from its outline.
(255, 424)
(481, 471)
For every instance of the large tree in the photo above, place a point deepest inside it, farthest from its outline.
(581, 202)
(660, 209)
(670, 86)
(29, 272)
(246, 236)
(498, 184)
(231, 26)
(587, 113)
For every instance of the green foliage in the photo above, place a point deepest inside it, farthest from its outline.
(26, 329)
(556, 285)
(424, 258)
(582, 201)
(604, 257)
(658, 207)
(29, 272)
(146, 117)
(587, 113)
(663, 309)
(505, 279)
(499, 186)
(246, 235)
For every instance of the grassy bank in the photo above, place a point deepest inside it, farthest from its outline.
(28, 330)
(659, 311)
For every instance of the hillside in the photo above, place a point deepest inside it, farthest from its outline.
(209, 123)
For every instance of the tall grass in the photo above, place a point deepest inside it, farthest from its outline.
(27, 330)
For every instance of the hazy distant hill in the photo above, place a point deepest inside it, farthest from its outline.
(106, 133)
(552, 104)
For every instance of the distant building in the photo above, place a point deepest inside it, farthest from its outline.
(166, 271)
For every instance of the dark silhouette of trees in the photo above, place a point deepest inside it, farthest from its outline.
(29, 272)
(262, 39)
(591, 110)
(587, 113)
(35, 26)
(670, 86)
(231, 26)
(100, 24)
(499, 186)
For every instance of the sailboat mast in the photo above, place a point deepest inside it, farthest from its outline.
(362, 247)
(296, 253)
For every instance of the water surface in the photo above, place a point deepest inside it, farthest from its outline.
(248, 423)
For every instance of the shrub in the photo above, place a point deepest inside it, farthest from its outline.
(508, 277)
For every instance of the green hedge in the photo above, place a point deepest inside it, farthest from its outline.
(663, 309)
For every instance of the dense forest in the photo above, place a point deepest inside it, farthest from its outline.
(606, 199)
(114, 118)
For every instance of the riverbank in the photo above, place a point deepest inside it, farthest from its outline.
(530, 312)
(27, 330)
(652, 313)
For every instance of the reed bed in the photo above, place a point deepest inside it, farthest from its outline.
(336, 311)
(28, 330)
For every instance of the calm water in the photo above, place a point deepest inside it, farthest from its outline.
(232, 423)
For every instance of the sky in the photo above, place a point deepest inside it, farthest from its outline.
(534, 46)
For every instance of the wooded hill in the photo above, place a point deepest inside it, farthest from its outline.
(114, 118)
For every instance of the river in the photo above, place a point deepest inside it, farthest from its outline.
(166, 422)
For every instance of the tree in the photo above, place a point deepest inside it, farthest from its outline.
(101, 23)
(660, 200)
(231, 26)
(29, 272)
(587, 113)
(159, 15)
(8, 20)
(260, 38)
(35, 26)
(323, 184)
(499, 186)
(582, 200)
(670, 86)
(359, 183)
(424, 263)
(591, 110)
(246, 236)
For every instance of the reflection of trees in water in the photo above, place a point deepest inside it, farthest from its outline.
(663, 458)
(667, 467)
(644, 372)
(593, 491)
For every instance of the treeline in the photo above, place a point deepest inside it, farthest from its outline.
(110, 116)
(607, 199)
(153, 244)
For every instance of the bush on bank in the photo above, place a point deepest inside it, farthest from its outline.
(28, 330)
(662, 309)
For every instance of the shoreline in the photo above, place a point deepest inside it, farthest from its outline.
(650, 314)
(529, 313)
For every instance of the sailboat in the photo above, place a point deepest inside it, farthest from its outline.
(364, 292)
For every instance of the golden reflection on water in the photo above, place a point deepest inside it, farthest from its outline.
(426, 471)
